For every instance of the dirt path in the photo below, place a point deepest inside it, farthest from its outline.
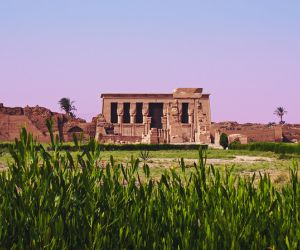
(278, 176)
(237, 159)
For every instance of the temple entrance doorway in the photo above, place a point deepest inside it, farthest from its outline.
(156, 112)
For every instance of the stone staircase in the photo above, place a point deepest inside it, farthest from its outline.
(154, 136)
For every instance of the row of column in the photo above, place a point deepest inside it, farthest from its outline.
(132, 112)
(145, 112)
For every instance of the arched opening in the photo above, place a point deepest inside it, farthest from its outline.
(75, 129)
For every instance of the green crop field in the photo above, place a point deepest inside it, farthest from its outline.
(166, 199)
(250, 162)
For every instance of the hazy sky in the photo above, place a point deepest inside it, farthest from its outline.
(246, 54)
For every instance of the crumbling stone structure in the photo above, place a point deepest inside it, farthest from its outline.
(12, 120)
(291, 132)
(249, 132)
(181, 117)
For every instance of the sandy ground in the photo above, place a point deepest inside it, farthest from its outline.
(278, 176)
(171, 161)
(238, 159)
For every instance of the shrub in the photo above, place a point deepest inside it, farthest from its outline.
(279, 148)
(224, 140)
(235, 144)
(4, 148)
(116, 147)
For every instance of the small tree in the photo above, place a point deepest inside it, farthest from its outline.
(280, 112)
(224, 140)
(67, 105)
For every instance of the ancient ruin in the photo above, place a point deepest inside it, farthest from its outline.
(12, 120)
(181, 117)
(248, 132)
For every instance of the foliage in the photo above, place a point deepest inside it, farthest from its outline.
(279, 148)
(4, 148)
(224, 140)
(144, 155)
(67, 105)
(235, 145)
(4, 145)
(131, 147)
(56, 201)
(280, 112)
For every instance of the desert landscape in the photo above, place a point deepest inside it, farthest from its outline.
(149, 125)
(119, 159)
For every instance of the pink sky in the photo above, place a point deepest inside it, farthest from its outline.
(245, 55)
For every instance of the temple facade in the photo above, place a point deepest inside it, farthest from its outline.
(181, 117)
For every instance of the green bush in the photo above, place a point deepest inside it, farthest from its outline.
(279, 148)
(4, 148)
(224, 140)
(129, 147)
(4, 145)
(239, 146)
(53, 200)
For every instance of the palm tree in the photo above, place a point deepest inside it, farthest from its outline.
(280, 112)
(67, 105)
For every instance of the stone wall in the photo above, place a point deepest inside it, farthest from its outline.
(10, 126)
(254, 132)
(291, 132)
(12, 120)
(180, 117)
(34, 120)
(120, 139)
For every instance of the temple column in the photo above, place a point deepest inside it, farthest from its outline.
(145, 112)
(191, 122)
(132, 112)
(120, 118)
(191, 117)
(132, 117)
(145, 117)
(120, 112)
(164, 127)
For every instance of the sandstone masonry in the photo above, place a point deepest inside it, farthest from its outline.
(12, 120)
(181, 117)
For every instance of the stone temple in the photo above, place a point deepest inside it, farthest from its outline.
(181, 117)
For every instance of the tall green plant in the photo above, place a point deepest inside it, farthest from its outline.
(57, 200)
